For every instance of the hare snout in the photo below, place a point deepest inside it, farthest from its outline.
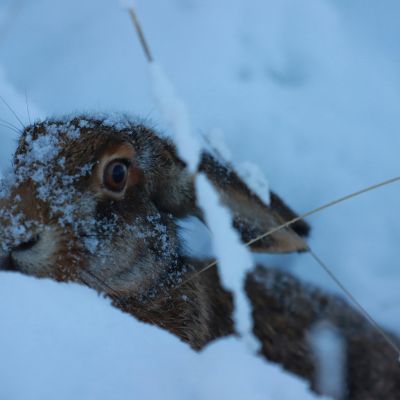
(8, 261)
(34, 256)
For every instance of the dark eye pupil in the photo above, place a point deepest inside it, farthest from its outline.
(118, 173)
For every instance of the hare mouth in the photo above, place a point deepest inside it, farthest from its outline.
(7, 263)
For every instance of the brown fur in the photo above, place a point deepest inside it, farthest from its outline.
(125, 244)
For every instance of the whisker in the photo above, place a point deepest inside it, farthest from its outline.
(27, 107)
(10, 127)
(114, 296)
(98, 280)
(12, 111)
(97, 236)
(103, 285)
(94, 235)
(87, 283)
(9, 123)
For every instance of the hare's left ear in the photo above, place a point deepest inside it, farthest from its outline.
(172, 190)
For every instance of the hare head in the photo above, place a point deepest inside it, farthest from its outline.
(96, 200)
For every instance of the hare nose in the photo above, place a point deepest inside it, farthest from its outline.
(26, 245)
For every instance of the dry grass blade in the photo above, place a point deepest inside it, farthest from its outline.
(139, 31)
(309, 213)
(9, 126)
(325, 206)
(363, 311)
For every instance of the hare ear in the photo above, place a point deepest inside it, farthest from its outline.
(251, 216)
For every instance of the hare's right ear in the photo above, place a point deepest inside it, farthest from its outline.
(251, 216)
(175, 194)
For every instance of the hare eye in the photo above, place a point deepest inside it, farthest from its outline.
(115, 176)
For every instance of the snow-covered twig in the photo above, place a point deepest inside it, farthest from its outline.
(176, 115)
(234, 259)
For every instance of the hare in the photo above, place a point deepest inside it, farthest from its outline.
(97, 201)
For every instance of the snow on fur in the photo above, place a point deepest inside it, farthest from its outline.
(249, 172)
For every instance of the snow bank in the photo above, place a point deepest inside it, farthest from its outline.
(63, 341)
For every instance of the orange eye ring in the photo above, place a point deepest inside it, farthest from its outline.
(116, 175)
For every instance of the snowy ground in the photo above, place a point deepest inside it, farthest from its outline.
(309, 91)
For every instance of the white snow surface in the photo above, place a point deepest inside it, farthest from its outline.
(329, 351)
(67, 343)
(307, 91)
